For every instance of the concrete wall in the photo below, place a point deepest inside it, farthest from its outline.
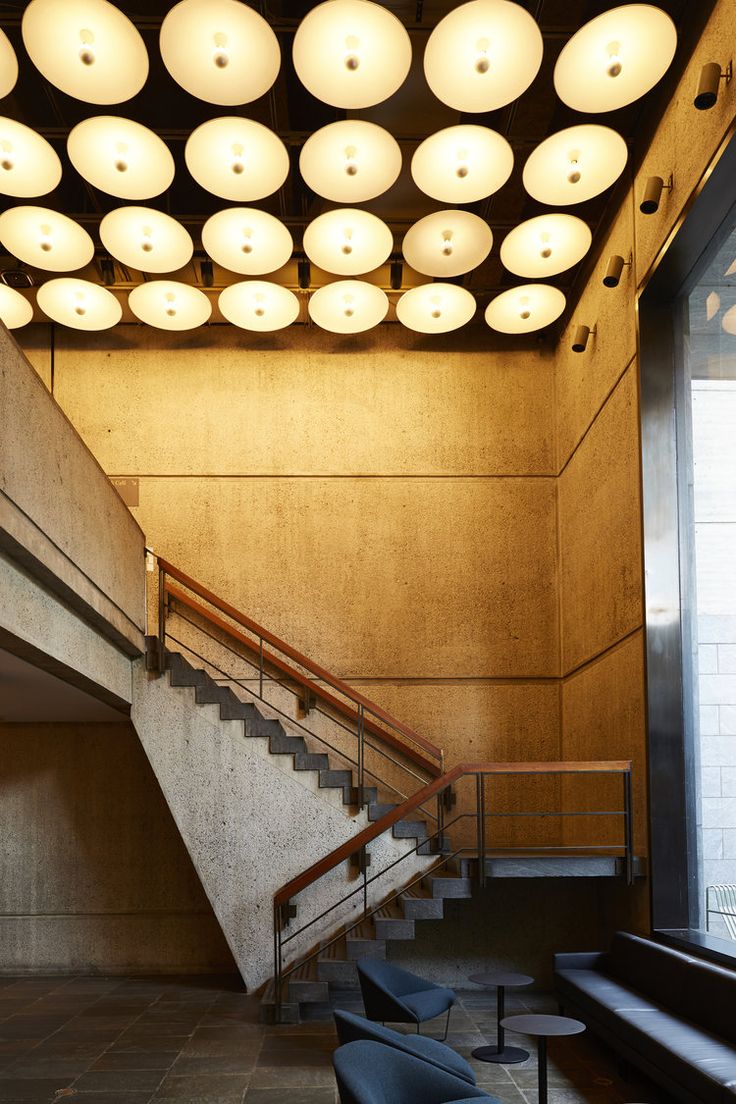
(94, 874)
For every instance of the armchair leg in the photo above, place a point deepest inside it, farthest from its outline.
(447, 1025)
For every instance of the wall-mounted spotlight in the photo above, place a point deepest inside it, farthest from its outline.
(616, 266)
(653, 193)
(580, 341)
(709, 84)
(206, 272)
(397, 275)
(304, 273)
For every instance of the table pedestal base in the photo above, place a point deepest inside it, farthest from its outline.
(504, 1055)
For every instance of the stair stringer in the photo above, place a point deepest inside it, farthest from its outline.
(249, 825)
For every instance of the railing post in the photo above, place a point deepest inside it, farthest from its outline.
(277, 963)
(361, 755)
(629, 828)
(161, 619)
(480, 799)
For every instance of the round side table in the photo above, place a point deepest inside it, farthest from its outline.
(500, 981)
(543, 1027)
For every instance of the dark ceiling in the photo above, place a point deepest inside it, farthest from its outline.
(410, 115)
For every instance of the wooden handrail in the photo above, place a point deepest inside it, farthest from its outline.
(302, 660)
(378, 827)
(432, 768)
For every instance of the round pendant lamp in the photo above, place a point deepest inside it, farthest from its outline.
(258, 305)
(462, 164)
(169, 305)
(348, 242)
(525, 308)
(545, 245)
(435, 308)
(348, 306)
(483, 55)
(351, 53)
(86, 48)
(15, 310)
(79, 304)
(350, 161)
(248, 241)
(237, 159)
(146, 239)
(447, 243)
(8, 65)
(29, 166)
(575, 164)
(45, 239)
(615, 58)
(120, 157)
(221, 51)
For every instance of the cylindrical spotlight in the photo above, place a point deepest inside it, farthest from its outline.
(613, 272)
(652, 195)
(580, 341)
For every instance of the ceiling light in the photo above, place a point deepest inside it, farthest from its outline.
(15, 310)
(350, 161)
(545, 245)
(462, 164)
(435, 308)
(237, 159)
(120, 157)
(348, 242)
(247, 241)
(615, 58)
(29, 166)
(45, 239)
(447, 243)
(525, 308)
(258, 305)
(575, 164)
(348, 306)
(8, 66)
(483, 55)
(220, 50)
(169, 305)
(351, 53)
(146, 239)
(87, 48)
(79, 304)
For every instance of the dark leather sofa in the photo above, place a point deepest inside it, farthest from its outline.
(671, 1015)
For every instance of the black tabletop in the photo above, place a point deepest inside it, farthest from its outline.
(499, 977)
(543, 1025)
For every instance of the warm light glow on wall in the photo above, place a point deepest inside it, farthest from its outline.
(728, 322)
(350, 161)
(221, 51)
(524, 309)
(351, 53)
(435, 308)
(121, 157)
(15, 310)
(29, 166)
(87, 48)
(237, 159)
(258, 305)
(348, 306)
(483, 55)
(170, 305)
(348, 242)
(146, 239)
(462, 164)
(79, 304)
(575, 164)
(45, 239)
(545, 245)
(8, 65)
(247, 241)
(447, 243)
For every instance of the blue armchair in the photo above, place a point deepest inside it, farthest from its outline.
(393, 994)
(351, 1028)
(371, 1073)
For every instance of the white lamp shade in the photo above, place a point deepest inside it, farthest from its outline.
(120, 157)
(79, 304)
(348, 242)
(351, 53)
(221, 51)
(483, 55)
(148, 240)
(545, 245)
(45, 239)
(248, 241)
(29, 166)
(615, 58)
(348, 306)
(435, 308)
(258, 305)
(87, 48)
(15, 310)
(350, 161)
(462, 164)
(237, 159)
(8, 65)
(169, 305)
(447, 243)
(575, 164)
(525, 308)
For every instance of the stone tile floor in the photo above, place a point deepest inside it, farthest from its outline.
(135, 1040)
